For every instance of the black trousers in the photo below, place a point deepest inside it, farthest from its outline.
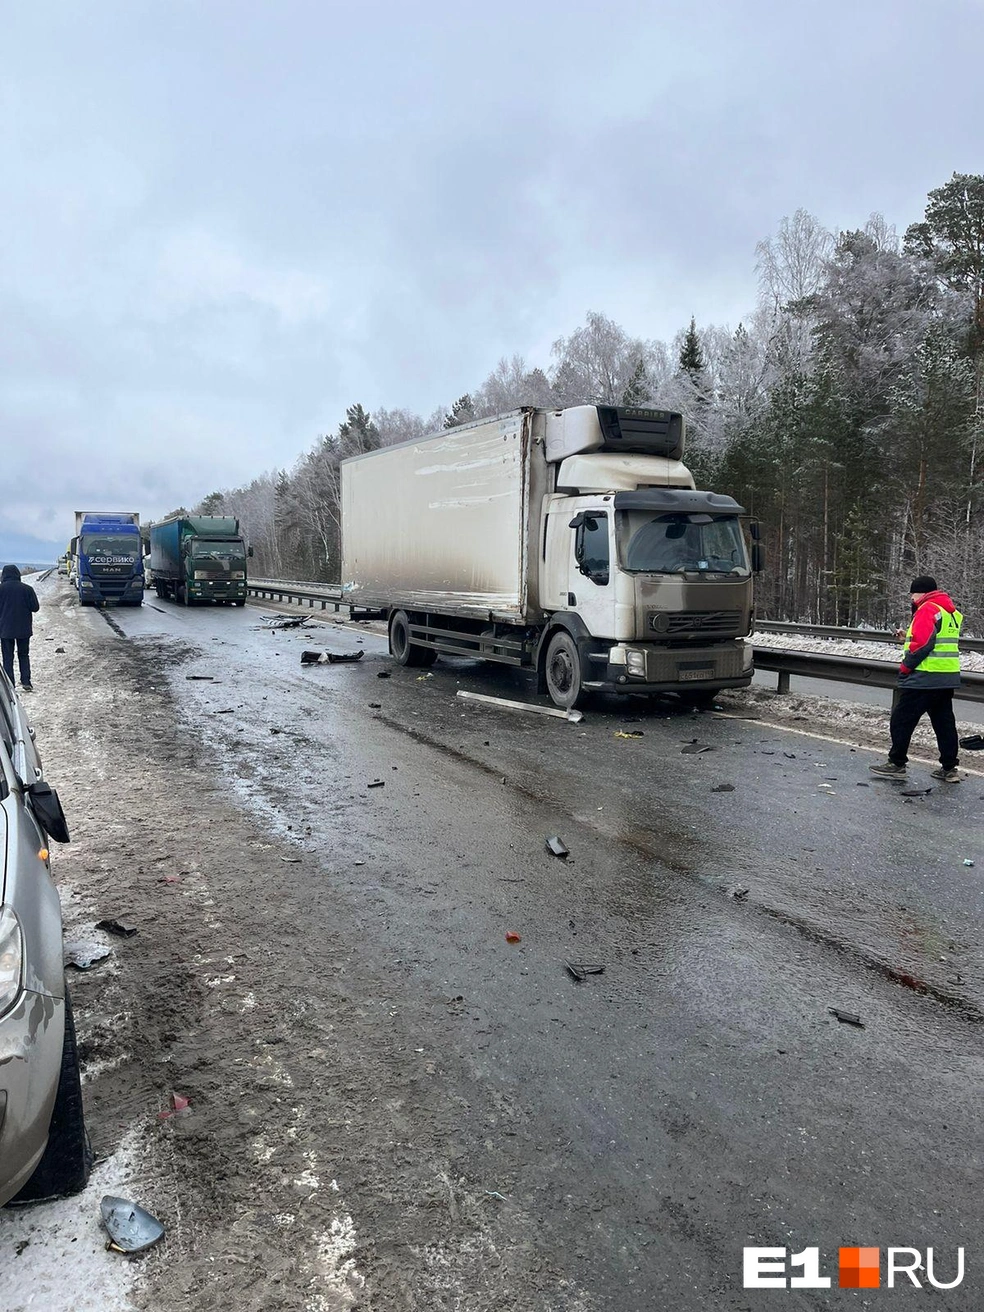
(23, 657)
(912, 705)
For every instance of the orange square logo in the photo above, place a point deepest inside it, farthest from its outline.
(860, 1268)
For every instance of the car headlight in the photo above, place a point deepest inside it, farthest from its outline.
(202, 574)
(86, 583)
(11, 958)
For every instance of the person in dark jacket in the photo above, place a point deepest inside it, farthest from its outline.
(18, 604)
(929, 672)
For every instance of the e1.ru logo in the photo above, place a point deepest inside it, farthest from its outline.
(858, 1268)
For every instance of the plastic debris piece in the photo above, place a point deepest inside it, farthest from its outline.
(723, 788)
(557, 847)
(580, 970)
(129, 1226)
(377, 783)
(59, 651)
(384, 674)
(170, 879)
(422, 677)
(739, 893)
(115, 927)
(291, 860)
(179, 1103)
(967, 861)
(975, 743)
(632, 733)
(512, 936)
(330, 657)
(83, 956)
(846, 1017)
(915, 792)
(375, 706)
(695, 746)
(494, 1193)
(200, 678)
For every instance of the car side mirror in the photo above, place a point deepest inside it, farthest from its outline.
(48, 811)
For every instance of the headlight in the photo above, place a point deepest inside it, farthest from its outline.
(86, 583)
(635, 662)
(201, 574)
(11, 958)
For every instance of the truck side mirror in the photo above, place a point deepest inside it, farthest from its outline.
(249, 551)
(758, 558)
(754, 530)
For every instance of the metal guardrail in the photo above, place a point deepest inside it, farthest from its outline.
(848, 669)
(806, 664)
(848, 634)
(310, 594)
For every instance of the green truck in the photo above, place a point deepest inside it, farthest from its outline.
(199, 558)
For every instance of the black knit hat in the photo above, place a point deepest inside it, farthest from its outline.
(924, 583)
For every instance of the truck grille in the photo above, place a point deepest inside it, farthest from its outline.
(676, 623)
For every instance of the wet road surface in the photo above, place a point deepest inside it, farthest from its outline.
(697, 1096)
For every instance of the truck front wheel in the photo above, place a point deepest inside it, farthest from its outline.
(563, 671)
(404, 651)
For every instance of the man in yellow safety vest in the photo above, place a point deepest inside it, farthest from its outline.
(929, 672)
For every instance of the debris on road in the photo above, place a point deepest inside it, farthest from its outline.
(574, 717)
(695, 746)
(580, 970)
(131, 1229)
(287, 622)
(973, 744)
(512, 936)
(83, 956)
(723, 788)
(739, 893)
(201, 678)
(384, 674)
(557, 847)
(59, 651)
(632, 733)
(915, 792)
(846, 1017)
(178, 1104)
(330, 657)
(377, 783)
(115, 927)
(291, 860)
(967, 861)
(375, 706)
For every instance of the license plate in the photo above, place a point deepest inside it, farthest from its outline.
(706, 673)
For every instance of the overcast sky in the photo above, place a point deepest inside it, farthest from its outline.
(222, 222)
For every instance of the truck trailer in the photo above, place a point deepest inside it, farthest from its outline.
(107, 563)
(570, 541)
(199, 558)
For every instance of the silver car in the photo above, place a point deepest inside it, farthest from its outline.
(44, 1151)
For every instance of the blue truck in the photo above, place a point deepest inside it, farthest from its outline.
(108, 558)
(199, 558)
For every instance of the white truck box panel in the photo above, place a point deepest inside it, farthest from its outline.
(442, 523)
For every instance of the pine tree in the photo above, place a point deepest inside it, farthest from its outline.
(462, 412)
(691, 355)
(639, 389)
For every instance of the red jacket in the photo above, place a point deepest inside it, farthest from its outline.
(924, 629)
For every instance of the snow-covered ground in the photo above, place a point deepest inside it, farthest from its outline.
(972, 662)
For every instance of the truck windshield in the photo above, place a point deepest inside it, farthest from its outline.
(680, 544)
(97, 546)
(218, 556)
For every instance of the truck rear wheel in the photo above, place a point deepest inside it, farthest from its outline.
(563, 671)
(404, 651)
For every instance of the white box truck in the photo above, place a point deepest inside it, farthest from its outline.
(571, 541)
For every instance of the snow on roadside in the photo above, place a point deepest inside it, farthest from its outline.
(971, 661)
(55, 1253)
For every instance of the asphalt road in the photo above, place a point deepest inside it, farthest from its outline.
(698, 1095)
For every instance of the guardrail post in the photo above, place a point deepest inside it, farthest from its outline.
(782, 683)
